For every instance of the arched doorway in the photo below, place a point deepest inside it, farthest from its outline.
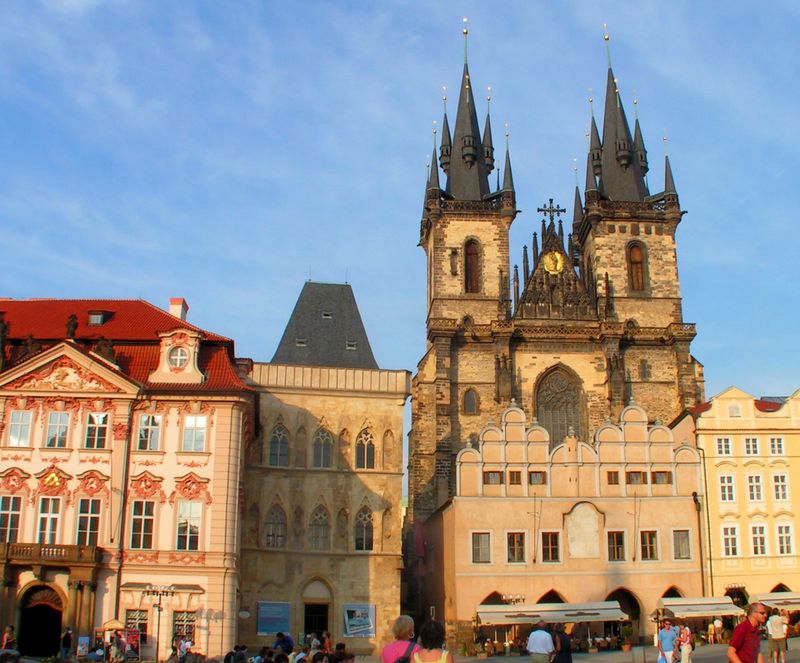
(672, 593)
(629, 605)
(40, 622)
(551, 597)
(780, 587)
(316, 608)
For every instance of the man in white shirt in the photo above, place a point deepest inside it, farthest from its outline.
(776, 631)
(540, 644)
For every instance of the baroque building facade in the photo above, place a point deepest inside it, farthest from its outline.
(323, 484)
(121, 427)
(749, 445)
(591, 322)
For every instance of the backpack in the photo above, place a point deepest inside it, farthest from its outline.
(406, 658)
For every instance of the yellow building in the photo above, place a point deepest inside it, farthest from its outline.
(323, 485)
(750, 467)
(120, 434)
(609, 519)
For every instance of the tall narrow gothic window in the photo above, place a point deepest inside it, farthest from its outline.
(275, 529)
(322, 448)
(470, 402)
(364, 529)
(559, 405)
(279, 447)
(365, 450)
(320, 529)
(636, 266)
(472, 267)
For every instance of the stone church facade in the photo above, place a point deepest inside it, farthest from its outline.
(591, 322)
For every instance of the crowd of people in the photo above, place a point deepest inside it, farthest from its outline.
(317, 649)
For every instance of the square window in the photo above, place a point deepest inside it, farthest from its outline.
(776, 446)
(550, 547)
(751, 446)
(723, 446)
(515, 478)
(194, 432)
(516, 547)
(480, 548)
(661, 478)
(680, 544)
(636, 478)
(492, 478)
(537, 478)
(649, 545)
(616, 546)
(613, 477)
(19, 428)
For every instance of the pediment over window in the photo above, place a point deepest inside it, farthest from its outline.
(178, 358)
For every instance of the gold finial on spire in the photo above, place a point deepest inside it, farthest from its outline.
(616, 90)
(591, 102)
(444, 98)
(506, 125)
(635, 106)
(465, 32)
(575, 169)
(589, 138)
(606, 39)
(665, 143)
(488, 98)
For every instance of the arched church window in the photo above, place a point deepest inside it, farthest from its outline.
(365, 450)
(645, 372)
(275, 528)
(636, 267)
(470, 402)
(319, 531)
(322, 448)
(472, 266)
(279, 447)
(559, 405)
(364, 529)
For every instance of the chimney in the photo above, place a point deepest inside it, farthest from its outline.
(178, 307)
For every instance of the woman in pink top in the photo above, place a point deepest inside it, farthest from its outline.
(403, 630)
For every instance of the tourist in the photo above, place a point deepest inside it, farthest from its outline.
(9, 638)
(327, 643)
(284, 643)
(540, 644)
(712, 633)
(685, 643)
(562, 643)
(666, 642)
(745, 644)
(777, 630)
(66, 644)
(403, 645)
(431, 639)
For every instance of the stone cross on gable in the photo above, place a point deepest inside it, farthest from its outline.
(551, 211)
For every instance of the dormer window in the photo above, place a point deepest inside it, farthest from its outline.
(350, 345)
(178, 357)
(301, 342)
(327, 315)
(97, 318)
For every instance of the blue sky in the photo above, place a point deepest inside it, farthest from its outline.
(226, 151)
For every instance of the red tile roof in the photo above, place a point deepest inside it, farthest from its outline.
(767, 406)
(127, 319)
(132, 326)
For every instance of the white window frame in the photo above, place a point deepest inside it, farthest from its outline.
(784, 537)
(751, 446)
(730, 541)
(780, 487)
(57, 427)
(760, 538)
(48, 520)
(755, 488)
(16, 428)
(727, 487)
(688, 532)
(490, 547)
(190, 512)
(657, 558)
(144, 518)
(776, 447)
(11, 517)
(560, 535)
(85, 520)
(723, 446)
(524, 533)
(92, 423)
(195, 429)
(150, 428)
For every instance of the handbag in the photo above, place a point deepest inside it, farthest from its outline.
(406, 658)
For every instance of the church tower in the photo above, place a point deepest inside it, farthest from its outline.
(590, 323)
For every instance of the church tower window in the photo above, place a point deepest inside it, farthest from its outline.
(279, 447)
(472, 266)
(322, 448)
(559, 405)
(320, 529)
(365, 450)
(636, 267)
(364, 529)
(275, 529)
(470, 402)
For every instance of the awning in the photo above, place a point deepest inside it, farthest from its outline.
(604, 611)
(711, 606)
(784, 600)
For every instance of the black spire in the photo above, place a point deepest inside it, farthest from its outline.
(467, 178)
(488, 147)
(508, 177)
(595, 150)
(444, 150)
(621, 175)
(591, 181)
(577, 213)
(669, 182)
(433, 176)
(638, 146)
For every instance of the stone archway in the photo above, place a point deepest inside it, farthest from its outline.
(630, 605)
(40, 620)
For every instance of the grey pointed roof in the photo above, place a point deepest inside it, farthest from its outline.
(508, 177)
(577, 212)
(488, 145)
(591, 182)
(325, 329)
(619, 182)
(639, 148)
(444, 149)
(433, 176)
(467, 177)
(669, 182)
